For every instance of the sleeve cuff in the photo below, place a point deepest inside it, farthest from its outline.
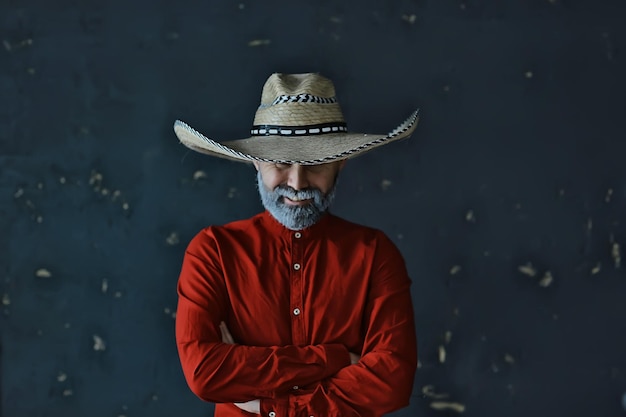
(274, 407)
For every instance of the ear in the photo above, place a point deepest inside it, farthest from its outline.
(342, 163)
(256, 165)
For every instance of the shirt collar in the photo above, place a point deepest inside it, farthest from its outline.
(321, 228)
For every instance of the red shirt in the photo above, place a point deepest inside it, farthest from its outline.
(296, 303)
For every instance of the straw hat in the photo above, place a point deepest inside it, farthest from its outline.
(298, 121)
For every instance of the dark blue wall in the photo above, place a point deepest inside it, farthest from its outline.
(522, 124)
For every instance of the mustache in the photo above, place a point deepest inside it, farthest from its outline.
(304, 194)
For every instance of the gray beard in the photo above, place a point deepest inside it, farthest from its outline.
(295, 217)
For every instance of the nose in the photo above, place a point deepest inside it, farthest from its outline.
(297, 177)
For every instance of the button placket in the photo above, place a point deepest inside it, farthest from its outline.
(296, 284)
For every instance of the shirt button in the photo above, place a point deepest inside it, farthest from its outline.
(296, 311)
(271, 414)
(298, 235)
(296, 266)
(295, 387)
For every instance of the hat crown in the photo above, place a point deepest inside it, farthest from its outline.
(303, 101)
(278, 85)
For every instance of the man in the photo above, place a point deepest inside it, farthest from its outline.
(296, 312)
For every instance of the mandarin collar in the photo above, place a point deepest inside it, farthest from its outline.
(319, 229)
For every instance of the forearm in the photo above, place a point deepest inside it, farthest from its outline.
(381, 383)
(221, 372)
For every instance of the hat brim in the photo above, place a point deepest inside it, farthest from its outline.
(303, 150)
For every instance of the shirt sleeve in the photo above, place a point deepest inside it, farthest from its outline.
(220, 372)
(382, 381)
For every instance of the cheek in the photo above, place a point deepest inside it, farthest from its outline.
(325, 183)
(271, 180)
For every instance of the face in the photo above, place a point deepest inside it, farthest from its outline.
(297, 195)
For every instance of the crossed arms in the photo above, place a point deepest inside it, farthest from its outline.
(220, 372)
(254, 406)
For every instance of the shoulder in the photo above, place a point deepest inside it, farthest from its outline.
(237, 226)
(382, 254)
(356, 232)
(213, 236)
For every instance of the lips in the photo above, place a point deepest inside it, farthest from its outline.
(296, 202)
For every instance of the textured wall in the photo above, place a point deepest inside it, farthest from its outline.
(518, 159)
